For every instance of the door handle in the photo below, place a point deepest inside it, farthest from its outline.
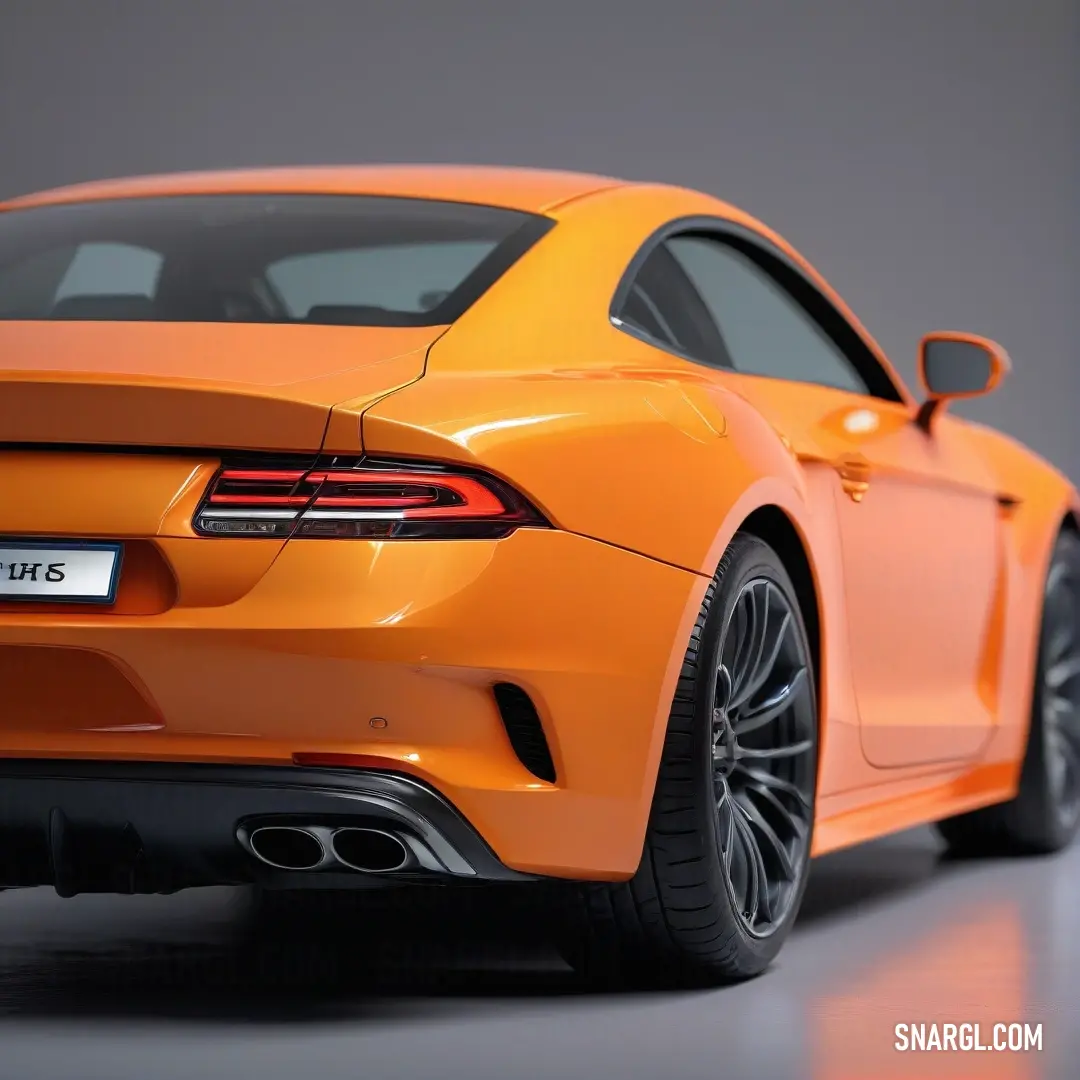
(854, 473)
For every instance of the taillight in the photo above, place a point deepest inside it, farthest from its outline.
(369, 500)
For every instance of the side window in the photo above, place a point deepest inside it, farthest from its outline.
(765, 331)
(663, 304)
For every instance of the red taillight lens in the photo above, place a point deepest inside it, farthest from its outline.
(371, 500)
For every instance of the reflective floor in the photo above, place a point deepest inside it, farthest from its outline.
(172, 987)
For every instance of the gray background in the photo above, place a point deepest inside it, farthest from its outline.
(922, 153)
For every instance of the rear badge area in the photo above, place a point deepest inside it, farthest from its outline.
(60, 571)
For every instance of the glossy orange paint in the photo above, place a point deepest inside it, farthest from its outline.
(535, 190)
(646, 465)
(258, 387)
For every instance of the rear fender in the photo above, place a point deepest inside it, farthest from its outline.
(666, 467)
(664, 464)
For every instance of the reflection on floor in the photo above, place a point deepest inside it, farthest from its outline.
(982, 945)
(890, 934)
(976, 973)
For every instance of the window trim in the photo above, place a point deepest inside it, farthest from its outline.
(798, 287)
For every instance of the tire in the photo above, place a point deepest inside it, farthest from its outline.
(682, 918)
(1045, 815)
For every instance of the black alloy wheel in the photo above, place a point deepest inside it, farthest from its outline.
(763, 755)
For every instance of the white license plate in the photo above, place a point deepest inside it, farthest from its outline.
(84, 573)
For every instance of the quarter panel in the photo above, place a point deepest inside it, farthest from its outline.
(653, 462)
(613, 438)
(639, 462)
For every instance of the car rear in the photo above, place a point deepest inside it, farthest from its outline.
(227, 655)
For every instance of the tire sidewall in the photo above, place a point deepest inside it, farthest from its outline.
(747, 559)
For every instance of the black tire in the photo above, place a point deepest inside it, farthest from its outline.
(677, 921)
(1045, 815)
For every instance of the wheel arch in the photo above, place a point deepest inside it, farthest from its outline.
(778, 526)
(772, 525)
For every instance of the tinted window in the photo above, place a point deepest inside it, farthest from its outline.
(663, 303)
(765, 331)
(249, 258)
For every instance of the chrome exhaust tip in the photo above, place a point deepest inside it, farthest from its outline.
(371, 851)
(287, 848)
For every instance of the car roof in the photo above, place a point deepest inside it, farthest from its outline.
(529, 190)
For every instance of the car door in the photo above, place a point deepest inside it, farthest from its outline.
(921, 541)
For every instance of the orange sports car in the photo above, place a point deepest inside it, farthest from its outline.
(400, 525)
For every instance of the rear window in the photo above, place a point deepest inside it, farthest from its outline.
(340, 259)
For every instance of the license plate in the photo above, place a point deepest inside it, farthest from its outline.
(84, 573)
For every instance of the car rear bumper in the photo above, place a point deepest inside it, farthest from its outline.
(137, 827)
(380, 657)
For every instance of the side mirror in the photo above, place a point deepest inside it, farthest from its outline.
(954, 365)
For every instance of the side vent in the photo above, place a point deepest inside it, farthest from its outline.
(526, 733)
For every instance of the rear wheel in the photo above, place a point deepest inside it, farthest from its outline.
(1045, 815)
(727, 849)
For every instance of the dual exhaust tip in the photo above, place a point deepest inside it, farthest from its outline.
(291, 847)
